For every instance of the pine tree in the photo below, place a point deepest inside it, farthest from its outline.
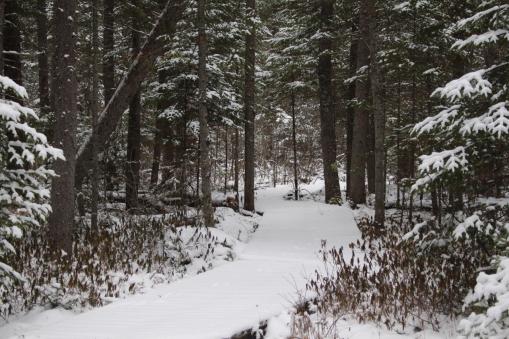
(61, 221)
(24, 193)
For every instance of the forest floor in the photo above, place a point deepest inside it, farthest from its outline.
(263, 283)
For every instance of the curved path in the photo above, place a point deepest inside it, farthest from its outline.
(216, 304)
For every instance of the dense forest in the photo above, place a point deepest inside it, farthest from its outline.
(142, 141)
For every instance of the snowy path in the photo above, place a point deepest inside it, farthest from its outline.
(232, 297)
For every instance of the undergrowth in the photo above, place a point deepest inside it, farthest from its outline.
(127, 254)
(393, 280)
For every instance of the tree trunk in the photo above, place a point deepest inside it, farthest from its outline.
(236, 167)
(327, 113)
(361, 116)
(249, 109)
(12, 44)
(169, 150)
(108, 49)
(226, 159)
(12, 60)
(159, 133)
(398, 146)
(61, 220)
(134, 133)
(350, 109)
(206, 190)
(378, 122)
(129, 86)
(94, 179)
(2, 33)
(42, 56)
(294, 146)
(370, 156)
(156, 158)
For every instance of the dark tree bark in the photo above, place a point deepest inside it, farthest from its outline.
(294, 146)
(134, 133)
(350, 111)
(129, 86)
(206, 190)
(361, 116)
(156, 158)
(108, 79)
(398, 147)
(370, 156)
(327, 113)
(108, 47)
(378, 122)
(42, 56)
(236, 167)
(61, 220)
(12, 60)
(94, 178)
(160, 133)
(226, 159)
(169, 150)
(2, 32)
(12, 43)
(249, 110)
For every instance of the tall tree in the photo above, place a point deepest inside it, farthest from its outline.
(327, 113)
(108, 47)
(42, 55)
(249, 108)
(294, 146)
(205, 170)
(134, 131)
(12, 43)
(2, 34)
(350, 111)
(94, 179)
(378, 120)
(361, 116)
(61, 220)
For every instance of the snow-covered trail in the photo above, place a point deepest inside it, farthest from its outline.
(233, 297)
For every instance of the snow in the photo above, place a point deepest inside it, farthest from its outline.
(8, 83)
(469, 85)
(493, 287)
(278, 328)
(261, 284)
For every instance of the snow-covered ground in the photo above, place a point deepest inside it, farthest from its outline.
(261, 284)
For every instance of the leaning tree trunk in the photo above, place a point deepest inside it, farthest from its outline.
(206, 199)
(361, 116)
(133, 134)
(327, 113)
(249, 109)
(61, 220)
(129, 86)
